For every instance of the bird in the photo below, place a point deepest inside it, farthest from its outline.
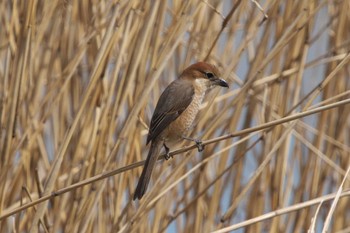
(175, 113)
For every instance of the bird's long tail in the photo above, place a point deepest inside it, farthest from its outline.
(147, 169)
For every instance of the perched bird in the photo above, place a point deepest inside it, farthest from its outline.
(175, 112)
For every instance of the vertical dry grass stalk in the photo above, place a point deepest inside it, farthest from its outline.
(80, 79)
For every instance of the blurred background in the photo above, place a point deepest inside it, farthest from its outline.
(79, 81)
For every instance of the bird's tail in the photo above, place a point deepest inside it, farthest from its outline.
(147, 169)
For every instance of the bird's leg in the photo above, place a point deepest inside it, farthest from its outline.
(198, 142)
(167, 154)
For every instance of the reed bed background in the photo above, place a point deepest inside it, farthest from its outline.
(79, 83)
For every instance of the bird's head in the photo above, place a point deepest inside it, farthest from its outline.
(204, 75)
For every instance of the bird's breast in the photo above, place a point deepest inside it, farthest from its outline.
(185, 121)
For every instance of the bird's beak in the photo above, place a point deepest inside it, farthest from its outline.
(220, 82)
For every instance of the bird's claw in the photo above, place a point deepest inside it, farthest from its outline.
(167, 156)
(200, 145)
(198, 142)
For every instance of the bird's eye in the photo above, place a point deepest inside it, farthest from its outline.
(209, 75)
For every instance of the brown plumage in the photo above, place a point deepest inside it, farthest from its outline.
(175, 112)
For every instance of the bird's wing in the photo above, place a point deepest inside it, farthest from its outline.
(172, 102)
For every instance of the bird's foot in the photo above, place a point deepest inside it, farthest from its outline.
(167, 155)
(198, 142)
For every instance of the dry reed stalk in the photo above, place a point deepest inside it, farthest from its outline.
(79, 81)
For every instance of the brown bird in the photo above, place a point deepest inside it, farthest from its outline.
(175, 112)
